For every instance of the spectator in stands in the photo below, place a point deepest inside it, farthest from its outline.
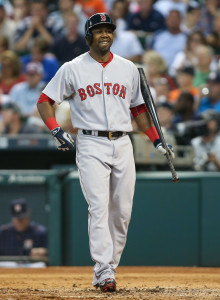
(187, 57)
(7, 26)
(207, 15)
(119, 14)
(184, 108)
(12, 121)
(206, 147)
(22, 236)
(184, 79)
(4, 45)
(21, 10)
(165, 115)
(147, 20)
(213, 38)
(39, 53)
(162, 90)
(64, 8)
(127, 45)
(170, 41)
(212, 100)
(156, 68)
(26, 93)
(71, 45)
(39, 24)
(205, 57)
(10, 71)
(91, 7)
(52, 5)
(165, 6)
(190, 21)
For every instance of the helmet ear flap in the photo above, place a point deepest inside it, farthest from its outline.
(88, 34)
(89, 38)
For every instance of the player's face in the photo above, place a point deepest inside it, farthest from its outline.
(102, 39)
(20, 224)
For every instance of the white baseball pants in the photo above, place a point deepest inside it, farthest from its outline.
(107, 177)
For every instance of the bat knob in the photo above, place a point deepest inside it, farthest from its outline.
(176, 180)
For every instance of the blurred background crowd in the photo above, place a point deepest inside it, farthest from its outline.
(176, 41)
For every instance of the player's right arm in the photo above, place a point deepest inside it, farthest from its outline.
(47, 112)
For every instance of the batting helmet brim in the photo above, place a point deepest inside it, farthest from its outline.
(112, 26)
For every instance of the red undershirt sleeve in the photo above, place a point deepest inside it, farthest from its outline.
(45, 98)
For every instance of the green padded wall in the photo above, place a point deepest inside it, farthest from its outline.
(210, 221)
(174, 224)
(42, 191)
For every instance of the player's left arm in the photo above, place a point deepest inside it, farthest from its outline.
(144, 122)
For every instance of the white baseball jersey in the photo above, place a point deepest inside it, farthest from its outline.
(99, 97)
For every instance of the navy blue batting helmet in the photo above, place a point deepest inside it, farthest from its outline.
(95, 20)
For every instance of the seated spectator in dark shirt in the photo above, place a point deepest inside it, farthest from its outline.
(165, 115)
(184, 108)
(207, 145)
(213, 38)
(71, 45)
(206, 19)
(39, 23)
(147, 20)
(22, 236)
(39, 53)
(12, 121)
(212, 99)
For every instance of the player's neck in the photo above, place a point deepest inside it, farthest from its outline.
(99, 56)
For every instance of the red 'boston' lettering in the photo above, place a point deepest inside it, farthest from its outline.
(108, 87)
(116, 88)
(82, 94)
(97, 87)
(123, 92)
(90, 90)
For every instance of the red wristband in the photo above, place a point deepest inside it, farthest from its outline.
(52, 123)
(152, 134)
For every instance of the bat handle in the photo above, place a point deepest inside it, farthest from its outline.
(175, 178)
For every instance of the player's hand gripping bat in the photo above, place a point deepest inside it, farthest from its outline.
(146, 93)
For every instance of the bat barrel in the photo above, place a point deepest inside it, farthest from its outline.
(146, 93)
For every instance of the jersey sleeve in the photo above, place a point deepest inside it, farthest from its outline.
(137, 98)
(60, 87)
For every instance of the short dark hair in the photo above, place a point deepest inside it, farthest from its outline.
(187, 97)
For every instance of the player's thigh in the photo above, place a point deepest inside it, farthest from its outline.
(94, 172)
(123, 174)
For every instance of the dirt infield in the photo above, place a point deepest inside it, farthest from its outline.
(146, 283)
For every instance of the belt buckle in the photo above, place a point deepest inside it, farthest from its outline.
(111, 137)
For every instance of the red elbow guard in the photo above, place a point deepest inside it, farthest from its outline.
(137, 110)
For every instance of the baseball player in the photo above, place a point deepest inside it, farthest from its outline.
(102, 89)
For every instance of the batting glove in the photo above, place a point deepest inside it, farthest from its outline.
(158, 145)
(63, 140)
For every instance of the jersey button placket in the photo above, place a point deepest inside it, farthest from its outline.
(106, 98)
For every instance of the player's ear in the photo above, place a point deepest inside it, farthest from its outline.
(89, 40)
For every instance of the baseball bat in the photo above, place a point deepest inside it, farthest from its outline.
(148, 99)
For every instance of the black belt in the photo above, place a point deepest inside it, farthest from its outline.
(111, 135)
